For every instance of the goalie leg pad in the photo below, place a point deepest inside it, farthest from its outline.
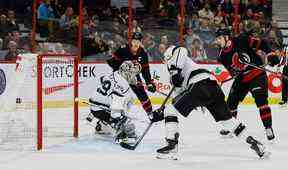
(102, 115)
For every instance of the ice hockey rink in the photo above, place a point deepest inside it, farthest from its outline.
(200, 148)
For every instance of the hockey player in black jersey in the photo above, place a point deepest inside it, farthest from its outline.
(195, 87)
(238, 55)
(134, 52)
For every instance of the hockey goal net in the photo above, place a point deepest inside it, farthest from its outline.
(39, 108)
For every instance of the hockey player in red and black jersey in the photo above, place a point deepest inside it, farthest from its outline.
(134, 52)
(238, 55)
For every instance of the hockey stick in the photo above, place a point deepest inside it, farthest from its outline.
(162, 93)
(133, 147)
(267, 70)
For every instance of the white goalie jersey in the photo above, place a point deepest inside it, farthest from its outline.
(112, 93)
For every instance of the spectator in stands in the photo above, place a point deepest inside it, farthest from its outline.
(194, 5)
(148, 42)
(135, 26)
(206, 12)
(12, 51)
(59, 49)
(116, 28)
(66, 21)
(190, 36)
(3, 26)
(249, 15)
(162, 48)
(227, 7)
(239, 30)
(164, 40)
(219, 17)
(254, 5)
(157, 54)
(26, 44)
(11, 21)
(46, 18)
(45, 12)
(193, 22)
(99, 45)
(206, 33)
(197, 51)
(276, 30)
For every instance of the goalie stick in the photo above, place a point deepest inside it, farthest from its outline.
(133, 147)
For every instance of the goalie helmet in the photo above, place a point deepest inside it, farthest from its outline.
(129, 70)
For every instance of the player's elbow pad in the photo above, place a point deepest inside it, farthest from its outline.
(177, 80)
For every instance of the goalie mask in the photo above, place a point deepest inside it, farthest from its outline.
(129, 70)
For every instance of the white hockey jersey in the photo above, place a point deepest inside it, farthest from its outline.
(177, 59)
(112, 93)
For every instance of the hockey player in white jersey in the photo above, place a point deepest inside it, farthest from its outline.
(196, 87)
(111, 101)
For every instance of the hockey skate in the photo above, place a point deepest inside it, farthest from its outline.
(170, 151)
(270, 135)
(225, 133)
(125, 131)
(257, 147)
(283, 104)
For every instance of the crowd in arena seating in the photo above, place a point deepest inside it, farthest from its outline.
(159, 24)
(105, 26)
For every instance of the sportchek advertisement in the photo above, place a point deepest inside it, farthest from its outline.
(58, 83)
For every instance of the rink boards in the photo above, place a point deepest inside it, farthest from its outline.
(88, 73)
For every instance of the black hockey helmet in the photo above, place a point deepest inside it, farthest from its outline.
(222, 32)
(137, 36)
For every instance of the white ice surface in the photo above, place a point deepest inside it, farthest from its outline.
(200, 148)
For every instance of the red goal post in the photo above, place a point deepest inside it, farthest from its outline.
(62, 59)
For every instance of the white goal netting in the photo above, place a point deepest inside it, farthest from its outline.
(38, 108)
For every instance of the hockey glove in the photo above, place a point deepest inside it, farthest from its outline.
(156, 115)
(151, 87)
(273, 60)
(177, 80)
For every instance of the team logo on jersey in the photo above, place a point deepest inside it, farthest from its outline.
(236, 64)
(139, 59)
(2, 81)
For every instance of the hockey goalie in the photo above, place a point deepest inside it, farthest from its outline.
(110, 103)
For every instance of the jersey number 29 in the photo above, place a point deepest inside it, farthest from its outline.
(106, 85)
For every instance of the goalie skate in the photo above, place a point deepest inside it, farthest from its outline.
(258, 147)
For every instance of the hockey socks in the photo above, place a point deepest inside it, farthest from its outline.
(266, 117)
